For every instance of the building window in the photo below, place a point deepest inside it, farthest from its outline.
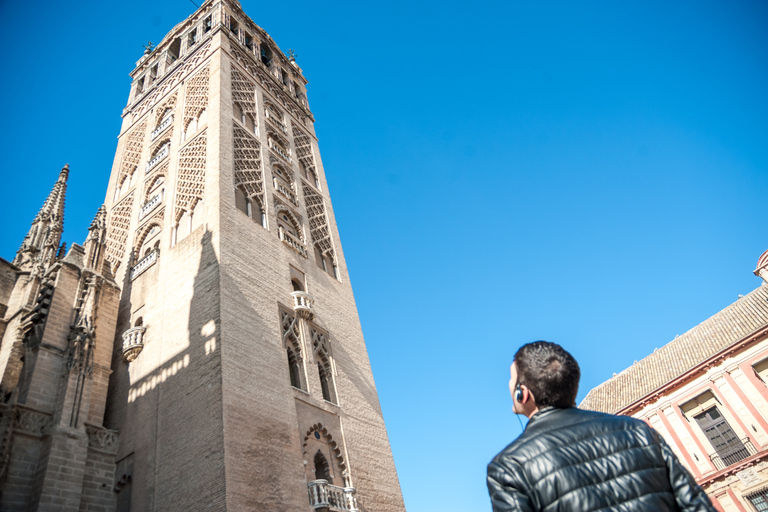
(266, 55)
(322, 469)
(248, 207)
(207, 24)
(174, 51)
(294, 368)
(759, 499)
(728, 447)
(325, 382)
(761, 369)
(320, 345)
(192, 38)
(292, 342)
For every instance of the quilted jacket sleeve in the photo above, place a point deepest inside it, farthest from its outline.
(506, 487)
(689, 496)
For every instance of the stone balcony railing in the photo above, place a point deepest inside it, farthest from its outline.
(286, 191)
(133, 342)
(272, 118)
(151, 204)
(146, 262)
(302, 304)
(165, 123)
(159, 156)
(280, 151)
(292, 241)
(323, 495)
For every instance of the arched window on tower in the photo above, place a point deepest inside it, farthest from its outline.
(294, 368)
(250, 208)
(292, 340)
(320, 345)
(325, 384)
(322, 468)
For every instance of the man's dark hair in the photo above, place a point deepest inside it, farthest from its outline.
(549, 372)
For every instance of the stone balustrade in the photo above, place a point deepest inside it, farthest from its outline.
(151, 204)
(302, 304)
(292, 241)
(146, 262)
(272, 118)
(331, 497)
(159, 156)
(280, 151)
(133, 342)
(165, 123)
(286, 191)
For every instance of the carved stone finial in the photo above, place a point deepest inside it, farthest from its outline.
(291, 55)
(148, 47)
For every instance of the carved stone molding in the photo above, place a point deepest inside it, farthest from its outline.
(32, 422)
(102, 439)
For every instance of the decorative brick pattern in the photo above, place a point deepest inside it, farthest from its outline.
(172, 81)
(134, 145)
(318, 221)
(166, 108)
(244, 93)
(197, 96)
(304, 149)
(190, 183)
(117, 233)
(248, 173)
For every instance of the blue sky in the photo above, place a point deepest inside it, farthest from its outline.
(593, 173)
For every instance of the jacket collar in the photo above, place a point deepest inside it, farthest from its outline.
(549, 417)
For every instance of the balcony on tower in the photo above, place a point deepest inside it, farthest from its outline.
(292, 241)
(165, 123)
(324, 496)
(285, 190)
(273, 118)
(302, 304)
(143, 264)
(279, 149)
(159, 156)
(133, 342)
(152, 203)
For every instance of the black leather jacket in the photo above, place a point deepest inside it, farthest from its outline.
(575, 460)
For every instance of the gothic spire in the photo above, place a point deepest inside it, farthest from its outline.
(39, 246)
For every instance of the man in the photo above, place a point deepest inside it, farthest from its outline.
(568, 459)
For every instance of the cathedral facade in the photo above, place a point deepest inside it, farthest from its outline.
(202, 349)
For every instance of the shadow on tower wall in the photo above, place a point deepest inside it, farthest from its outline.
(170, 420)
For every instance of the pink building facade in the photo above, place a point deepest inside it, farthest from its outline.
(706, 393)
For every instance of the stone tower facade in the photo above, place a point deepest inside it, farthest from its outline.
(213, 297)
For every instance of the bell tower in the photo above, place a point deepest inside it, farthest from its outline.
(240, 377)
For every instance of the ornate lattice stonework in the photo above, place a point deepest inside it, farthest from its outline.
(197, 96)
(291, 333)
(318, 221)
(168, 83)
(132, 152)
(248, 173)
(190, 184)
(157, 172)
(244, 93)
(270, 84)
(304, 149)
(167, 107)
(117, 234)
